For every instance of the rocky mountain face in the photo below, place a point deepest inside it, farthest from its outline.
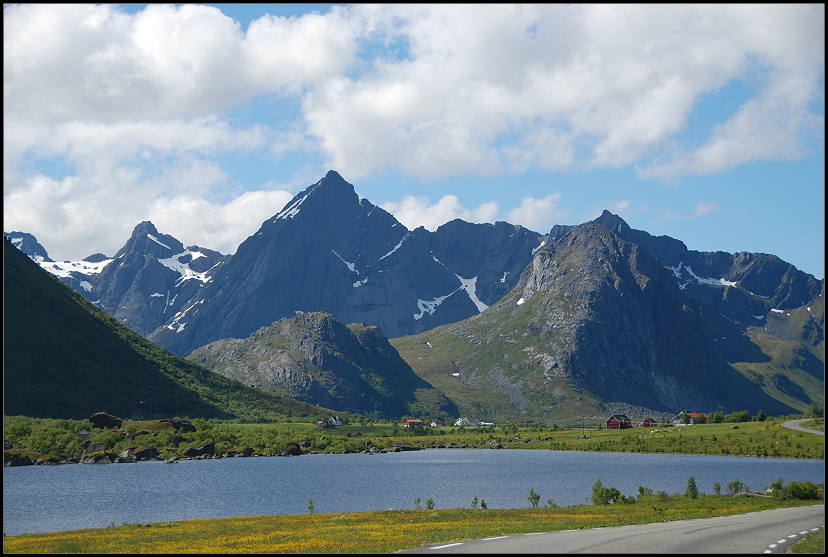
(145, 283)
(509, 323)
(328, 250)
(29, 245)
(65, 358)
(315, 358)
(606, 315)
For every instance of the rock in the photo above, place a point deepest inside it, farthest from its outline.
(103, 420)
(16, 458)
(207, 449)
(292, 449)
(495, 446)
(85, 435)
(93, 448)
(177, 440)
(146, 453)
(180, 425)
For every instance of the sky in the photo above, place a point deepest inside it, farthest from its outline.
(700, 122)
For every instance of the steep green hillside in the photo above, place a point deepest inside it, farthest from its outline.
(787, 355)
(65, 358)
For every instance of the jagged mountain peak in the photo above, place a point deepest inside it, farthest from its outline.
(329, 194)
(612, 222)
(145, 238)
(29, 245)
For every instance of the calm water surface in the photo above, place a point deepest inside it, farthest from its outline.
(49, 498)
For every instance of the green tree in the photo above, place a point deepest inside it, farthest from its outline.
(604, 495)
(417, 503)
(474, 502)
(534, 498)
(736, 486)
(717, 418)
(685, 418)
(310, 506)
(738, 417)
(692, 490)
(429, 503)
(483, 504)
(761, 416)
(717, 488)
(642, 491)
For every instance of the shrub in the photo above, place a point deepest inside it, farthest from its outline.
(534, 498)
(604, 495)
(801, 490)
(736, 486)
(692, 490)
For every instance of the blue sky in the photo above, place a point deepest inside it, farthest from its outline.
(700, 122)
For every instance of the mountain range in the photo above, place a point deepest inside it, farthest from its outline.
(497, 321)
(65, 358)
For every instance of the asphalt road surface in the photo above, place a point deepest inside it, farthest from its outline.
(758, 532)
(794, 424)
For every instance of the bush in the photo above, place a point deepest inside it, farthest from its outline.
(692, 489)
(736, 486)
(801, 490)
(605, 495)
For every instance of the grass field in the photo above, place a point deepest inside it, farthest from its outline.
(375, 532)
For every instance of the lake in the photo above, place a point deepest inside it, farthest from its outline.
(72, 496)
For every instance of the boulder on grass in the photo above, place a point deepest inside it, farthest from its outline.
(102, 420)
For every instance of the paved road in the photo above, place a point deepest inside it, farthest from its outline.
(794, 424)
(759, 532)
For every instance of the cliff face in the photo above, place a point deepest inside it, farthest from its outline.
(598, 319)
(315, 358)
(328, 250)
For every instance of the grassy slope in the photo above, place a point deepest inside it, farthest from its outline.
(65, 358)
(787, 366)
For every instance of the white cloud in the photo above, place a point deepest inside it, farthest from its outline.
(564, 87)
(413, 211)
(537, 214)
(140, 107)
(221, 227)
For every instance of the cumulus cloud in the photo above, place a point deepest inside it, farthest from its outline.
(140, 107)
(537, 214)
(413, 211)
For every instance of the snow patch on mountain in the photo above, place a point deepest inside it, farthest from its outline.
(470, 286)
(293, 209)
(543, 243)
(677, 272)
(66, 268)
(157, 241)
(396, 247)
(350, 265)
(429, 306)
(184, 269)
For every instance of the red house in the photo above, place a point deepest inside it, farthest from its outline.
(649, 422)
(413, 423)
(618, 421)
